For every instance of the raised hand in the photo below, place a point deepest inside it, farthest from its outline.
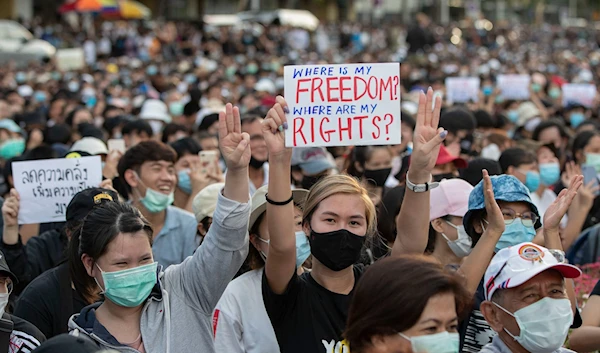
(235, 145)
(494, 214)
(584, 200)
(427, 139)
(560, 206)
(10, 209)
(571, 170)
(273, 128)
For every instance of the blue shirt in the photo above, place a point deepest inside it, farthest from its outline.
(177, 238)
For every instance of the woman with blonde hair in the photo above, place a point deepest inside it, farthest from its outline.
(309, 312)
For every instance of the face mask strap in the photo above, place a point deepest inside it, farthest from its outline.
(405, 337)
(511, 314)
(97, 283)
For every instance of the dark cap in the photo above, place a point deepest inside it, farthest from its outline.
(84, 201)
(66, 343)
(5, 269)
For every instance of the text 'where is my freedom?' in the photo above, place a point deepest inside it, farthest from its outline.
(340, 105)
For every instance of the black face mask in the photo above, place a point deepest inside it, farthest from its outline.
(255, 163)
(308, 181)
(377, 177)
(336, 250)
(440, 177)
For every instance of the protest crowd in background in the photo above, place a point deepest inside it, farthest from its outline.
(151, 201)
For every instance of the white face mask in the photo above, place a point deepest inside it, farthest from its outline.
(543, 333)
(461, 247)
(443, 342)
(3, 302)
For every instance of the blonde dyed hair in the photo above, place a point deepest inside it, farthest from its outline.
(340, 184)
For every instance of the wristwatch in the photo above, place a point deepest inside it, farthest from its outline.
(421, 187)
(559, 255)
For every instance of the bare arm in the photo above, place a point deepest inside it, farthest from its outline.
(474, 266)
(281, 261)
(413, 222)
(552, 218)
(587, 337)
(582, 204)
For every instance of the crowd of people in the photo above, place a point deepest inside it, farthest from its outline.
(208, 234)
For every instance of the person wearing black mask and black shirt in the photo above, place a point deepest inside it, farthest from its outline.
(372, 165)
(258, 170)
(309, 165)
(460, 124)
(309, 312)
(50, 300)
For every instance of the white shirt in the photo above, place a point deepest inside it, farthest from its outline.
(253, 188)
(240, 320)
(542, 203)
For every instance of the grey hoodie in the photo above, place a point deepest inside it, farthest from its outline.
(180, 320)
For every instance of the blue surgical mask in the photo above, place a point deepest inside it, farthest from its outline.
(443, 342)
(532, 180)
(40, 96)
(184, 182)
(549, 173)
(577, 119)
(131, 287)
(151, 70)
(302, 248)
(513, 116)
(593, 160)
(515, 233)
(176, 108)
(12, 148)
(536, 87)
(488, 90)
(554, 93)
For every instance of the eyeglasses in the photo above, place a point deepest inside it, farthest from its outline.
(528, 219)
(559, 256)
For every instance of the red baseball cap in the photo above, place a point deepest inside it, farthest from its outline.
(445, 157)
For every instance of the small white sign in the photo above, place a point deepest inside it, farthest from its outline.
(514, 87)
(47, 186)
(579, 93)
(462, 89)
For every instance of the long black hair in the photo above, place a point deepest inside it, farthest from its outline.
(98, 229)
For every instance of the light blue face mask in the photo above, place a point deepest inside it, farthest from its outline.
(302, 248)
(513, 116)
(515, 233)
(549, 173)
(12, 148)
(155, 201)
(131, 287)
(443, 342)
(176, 108)
(488, 90)
(593, 160)
(184, 182)
(576, 119)
(532, 180)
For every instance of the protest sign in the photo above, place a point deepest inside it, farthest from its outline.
(514, 87)
(581, 93)
(70, 59)
(462, 89)
(47, 186)
(343, 105)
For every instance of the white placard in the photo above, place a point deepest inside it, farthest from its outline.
(579, 93)
(462, 89)
(70, 59)
(343, 105)
(47, 186)
(514, 87)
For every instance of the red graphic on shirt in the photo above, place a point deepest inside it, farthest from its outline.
(215, 322)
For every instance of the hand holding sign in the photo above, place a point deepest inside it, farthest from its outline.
(235, 145)
(427, 139)
(273, 131)
(10, 209)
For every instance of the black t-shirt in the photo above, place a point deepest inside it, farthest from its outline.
(49, 301)
(308, 317)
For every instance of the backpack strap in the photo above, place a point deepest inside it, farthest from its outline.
(6, 329)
